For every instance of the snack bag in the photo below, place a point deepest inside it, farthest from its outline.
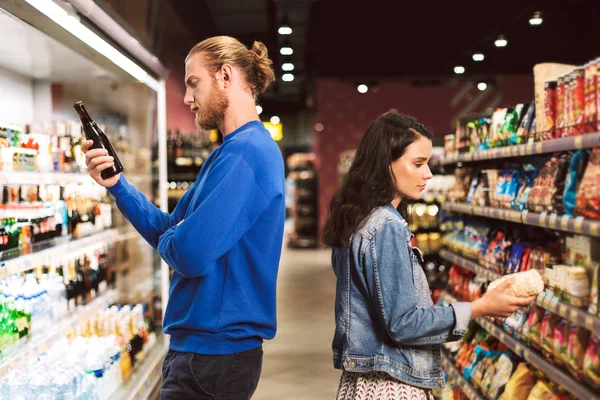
(579, 338)
(561, 342)
(519, 385)
(576, 169)
(587, 202)
(591, 363)
(504, 367)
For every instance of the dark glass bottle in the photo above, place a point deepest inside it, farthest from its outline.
(93, 132)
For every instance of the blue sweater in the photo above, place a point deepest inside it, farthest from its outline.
(223, 242)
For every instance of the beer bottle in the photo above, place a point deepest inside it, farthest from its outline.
(93, 132)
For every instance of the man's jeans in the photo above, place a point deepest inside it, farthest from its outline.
(217, 377)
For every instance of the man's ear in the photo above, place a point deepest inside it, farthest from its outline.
(227, 75)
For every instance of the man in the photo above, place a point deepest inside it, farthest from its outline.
(223, 240)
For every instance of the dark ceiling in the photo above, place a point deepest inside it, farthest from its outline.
(375, 40)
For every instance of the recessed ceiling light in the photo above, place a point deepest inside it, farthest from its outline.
(459, 69)
(478, 57)
(362, 88)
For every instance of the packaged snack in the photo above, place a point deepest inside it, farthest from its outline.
(483, 380)
(578, 341)
(504, 368)
(534, 200)
(593, 307)
(541, 391)
(548, 324)
(577, 287)
(514, 260)
(576, 169)
(519, 385)
(578, 100)
(568, 130)
(560, 343)
(525, 284)
(525, 123)
(591, 363)
(553, 200)
(511, 124)
(587, 202)
(514, 323)
(550, 109)
(590, 111)
(533, 327)
(560, 107)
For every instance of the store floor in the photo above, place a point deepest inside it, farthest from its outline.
(298, 362)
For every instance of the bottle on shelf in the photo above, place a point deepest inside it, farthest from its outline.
(94, 133)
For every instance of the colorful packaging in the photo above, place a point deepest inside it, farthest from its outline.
(568, 130)
(578, 100)
(577, 287)
(576, 169)
(519, 385)
(593, 307)
(504, 368)
(525, 124)
(557, 188)
(533, 327)
(578, 342)
(591, 112)
(548, 324)
(541, 391)
(561, 342)
(587, 202)
(550, 107)
(591, 363)
(561, 120)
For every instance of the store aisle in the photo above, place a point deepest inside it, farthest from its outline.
(298, 362)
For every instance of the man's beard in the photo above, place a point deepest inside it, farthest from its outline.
(212, 113)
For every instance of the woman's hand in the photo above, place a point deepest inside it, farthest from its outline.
(495, 303)
(97, 160)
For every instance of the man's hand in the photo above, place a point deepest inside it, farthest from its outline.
(97, 160)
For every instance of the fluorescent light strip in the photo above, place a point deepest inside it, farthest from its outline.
(77, 29)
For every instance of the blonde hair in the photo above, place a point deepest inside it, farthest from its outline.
(255, 63)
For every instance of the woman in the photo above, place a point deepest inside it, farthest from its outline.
(388, 332)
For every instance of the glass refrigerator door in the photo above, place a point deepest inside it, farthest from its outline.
(82, 291)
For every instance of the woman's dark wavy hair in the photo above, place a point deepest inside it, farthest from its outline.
(369, 182)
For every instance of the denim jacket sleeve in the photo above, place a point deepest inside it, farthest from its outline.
(406, 318)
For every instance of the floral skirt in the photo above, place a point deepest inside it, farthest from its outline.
(378, 386)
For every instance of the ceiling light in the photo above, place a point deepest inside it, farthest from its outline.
(285, 28)
(319, 127)
(459, 70)
(478, 57)
(482, 86)
(362, 88)
(275, 120)
(259, 109)
(287, 77)
(536, 19)
(287, 66)
(83, 33)
(286, 51)
(501, 41)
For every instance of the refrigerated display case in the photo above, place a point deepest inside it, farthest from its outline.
(82, 294)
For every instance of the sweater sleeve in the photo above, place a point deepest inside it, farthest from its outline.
(229, 203)
(150, 221)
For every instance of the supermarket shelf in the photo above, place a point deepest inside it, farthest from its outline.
(146, 376)
(40, 343)
(43, 178)
(464, 385)
(578, 225)
(551, 371)
(468, 264)
(545, 300)
(576, 315)
(586, 141)
(65, 247)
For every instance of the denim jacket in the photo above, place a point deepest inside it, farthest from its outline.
(385, 318)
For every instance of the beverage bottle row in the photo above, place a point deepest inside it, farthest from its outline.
(90, 363)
